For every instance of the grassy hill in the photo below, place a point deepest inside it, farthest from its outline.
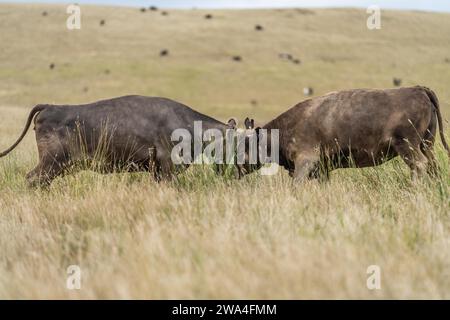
(204, 236)
(335, 47)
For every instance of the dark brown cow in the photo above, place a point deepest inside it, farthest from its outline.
(131, 133)
(359, 128)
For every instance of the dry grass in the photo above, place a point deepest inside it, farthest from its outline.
(205, 236)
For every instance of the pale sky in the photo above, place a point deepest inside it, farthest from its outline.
(431, 5)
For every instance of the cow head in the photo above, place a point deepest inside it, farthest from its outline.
(250, 145)
(250, 139)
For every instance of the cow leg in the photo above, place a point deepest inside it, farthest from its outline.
(53, 162)
(304, 167)
(152, 163)
(413, 157)
(427, 148)
(43, 175)
(164, 171)
(320, 172)
(34, 177)
(432, 169)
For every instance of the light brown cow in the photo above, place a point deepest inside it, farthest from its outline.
(359, 128)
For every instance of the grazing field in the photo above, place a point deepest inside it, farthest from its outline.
(203, 236)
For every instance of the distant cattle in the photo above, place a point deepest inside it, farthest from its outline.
(305, 11)
(143, 9)
(102, 22)
(208, 16)
(153, 8)
(164, 53)
(397, 82)
(308, 91)
(358, 128)
(44, 13)
(237, 58)
(52, 66)
(285, 56)
(259, 27)
(289, 58)
(131, 133)
(164, 13)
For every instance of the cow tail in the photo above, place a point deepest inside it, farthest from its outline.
(33, 112)
(434, 99)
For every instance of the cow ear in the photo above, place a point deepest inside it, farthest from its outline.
(248, 123)
(253, 123)
(232, 123)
